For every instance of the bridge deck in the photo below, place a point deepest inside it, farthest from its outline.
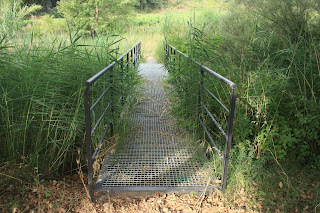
(155, 157)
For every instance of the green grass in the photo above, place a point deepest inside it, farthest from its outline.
(276, 120)
(42, 86)
(276, 87)
(42, 74)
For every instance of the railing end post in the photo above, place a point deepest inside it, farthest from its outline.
(91, 194)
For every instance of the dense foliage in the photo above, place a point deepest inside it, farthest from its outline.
(270, 49)
(95, 15)
(272, 53)
(152, 4)
(139, 4)
(41, 105)
(13, 14)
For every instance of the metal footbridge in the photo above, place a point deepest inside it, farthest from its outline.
(155, 156)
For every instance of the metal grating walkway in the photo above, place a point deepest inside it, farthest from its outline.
(154, 158)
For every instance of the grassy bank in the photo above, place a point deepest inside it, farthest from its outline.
(42, 112)
(275, 150)
(274, 159)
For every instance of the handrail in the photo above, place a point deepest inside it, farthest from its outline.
(99, 74)
(170, 52)
(132, 56)
(217, 75)
(104, 70)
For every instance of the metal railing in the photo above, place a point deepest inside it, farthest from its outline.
(172, 54)
(131, 57)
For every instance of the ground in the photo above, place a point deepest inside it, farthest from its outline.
(70, 195)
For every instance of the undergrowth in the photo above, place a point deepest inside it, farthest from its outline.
(41, 105)
(277, 77)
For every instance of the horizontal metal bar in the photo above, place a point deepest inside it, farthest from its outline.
(99, 74)
(97, 124)
(224, 107)
(214, 120)
(99, 187)
(100, 143)
(210, 138)
(101, 96)
(220, 77)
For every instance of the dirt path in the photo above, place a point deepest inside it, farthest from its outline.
(69, 195)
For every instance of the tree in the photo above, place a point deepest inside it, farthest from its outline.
(94, 15)
(46, 4)
(144, 4)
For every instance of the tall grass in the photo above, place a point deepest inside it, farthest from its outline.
(41, 105)
(13, 14)
(277, 81)
(276, 119)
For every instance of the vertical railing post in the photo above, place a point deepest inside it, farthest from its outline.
(229, 138)
(127, 66)
(128, 61)
(174, 59)
(139, 53)
(131, 56)
(134, 56)
(170, 57)
(89, 140)
(122, 82)
(166, 51)
(111, 81)
(200, 96)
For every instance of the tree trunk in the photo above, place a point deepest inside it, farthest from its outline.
(97, 15)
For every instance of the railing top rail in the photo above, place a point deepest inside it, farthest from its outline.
(220, 77)
(121, 57)
(91, 156)
(96, 76)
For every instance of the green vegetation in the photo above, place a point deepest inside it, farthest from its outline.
(42, 86)
(270, 49)
(272, 53)
(276, 68)
(13, 14)
(94, 15)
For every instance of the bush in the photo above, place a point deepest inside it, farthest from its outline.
(275, 68)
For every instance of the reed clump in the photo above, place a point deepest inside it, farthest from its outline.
(41, 104)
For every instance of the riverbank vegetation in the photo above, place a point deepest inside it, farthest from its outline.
(272, 52)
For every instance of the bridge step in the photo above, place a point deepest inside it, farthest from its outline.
(155, 158)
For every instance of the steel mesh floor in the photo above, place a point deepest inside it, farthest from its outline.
(154, 157)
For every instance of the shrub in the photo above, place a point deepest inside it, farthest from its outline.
(276, 71)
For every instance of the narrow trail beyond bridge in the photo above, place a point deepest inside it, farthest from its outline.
(155, 156)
